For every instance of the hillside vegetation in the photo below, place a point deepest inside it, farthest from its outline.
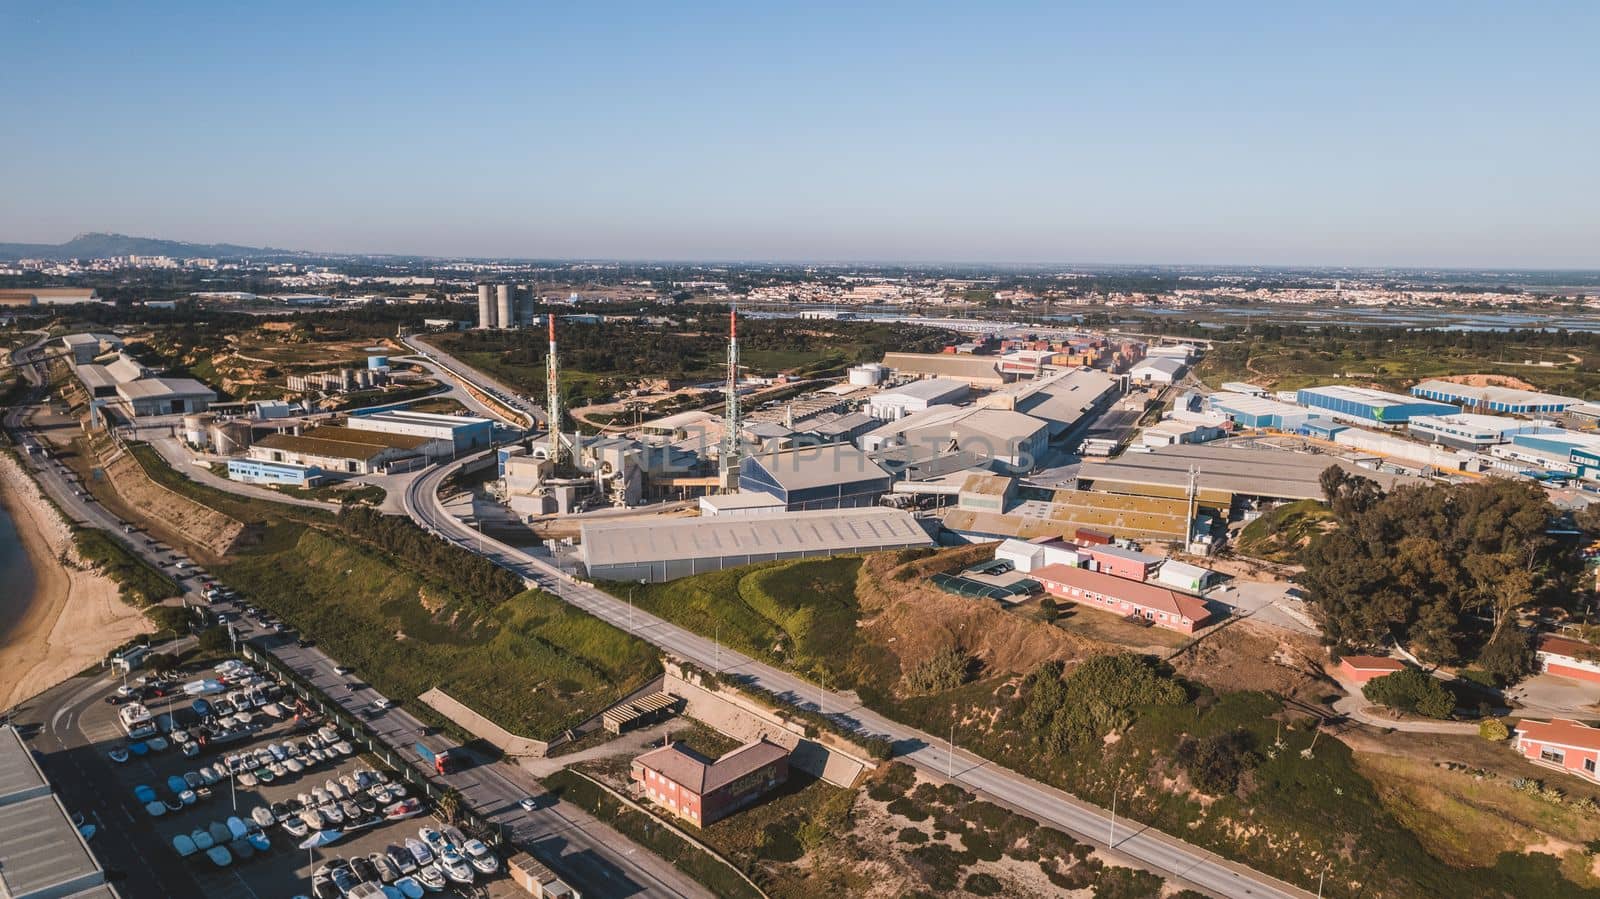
(533, 663)
(1282, 534)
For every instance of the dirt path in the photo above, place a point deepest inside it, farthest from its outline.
(74, 616)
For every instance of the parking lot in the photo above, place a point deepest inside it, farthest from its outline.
(233, 778)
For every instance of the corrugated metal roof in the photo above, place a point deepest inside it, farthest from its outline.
(809, 467)
(40, 849)
(658, 540)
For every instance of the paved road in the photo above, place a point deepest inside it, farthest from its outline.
(460, 371)
(599, 860)
(1175, 858)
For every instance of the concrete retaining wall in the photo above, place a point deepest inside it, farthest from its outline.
(744, 718)
(484, 729)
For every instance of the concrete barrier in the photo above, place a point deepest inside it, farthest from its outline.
(484, 729)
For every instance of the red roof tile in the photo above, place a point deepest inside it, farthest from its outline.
(1141, 594)
(1373, 663)
(1560, 732)
(1572, 649)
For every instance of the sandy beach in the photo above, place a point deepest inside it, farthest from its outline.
(73, 617)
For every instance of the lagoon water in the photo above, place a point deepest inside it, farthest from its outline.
(16, 575)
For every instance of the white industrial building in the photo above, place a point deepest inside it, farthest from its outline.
(658, 550)
(917, 396)
(1183, 576)
(1026, 555)
(165, 396)
(1470, 430)
(1002, 435)
(1158, 370)
(733, 505)
(463, 431)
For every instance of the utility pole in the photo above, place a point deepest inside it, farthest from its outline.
(718, 639)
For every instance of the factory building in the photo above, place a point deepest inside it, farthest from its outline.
(85, 348)
(1505, 400)
(1001, 435)
(150, 397)
(255, 471)
(836, 476)
(976, 371)
(465, 433)
(1364, 406)
(1220, 474)
(1061, 400)
(917, 396)
(1158, 370)
(1256, 411)
(1469, 430)
(348, 451)
(43, 855)
(659, 550)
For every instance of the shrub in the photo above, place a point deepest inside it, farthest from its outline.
(1494, 729)
(945, 670)
(1127, 883)
(981, 884)
(214, 639)
(1215, 762)
(1048, 610)
(912, 836)
(1097, 698)
(1411, 690)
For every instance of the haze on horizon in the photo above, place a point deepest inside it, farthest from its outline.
(1443, 134)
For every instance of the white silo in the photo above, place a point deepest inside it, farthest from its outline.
(485, 306)
(504, 316)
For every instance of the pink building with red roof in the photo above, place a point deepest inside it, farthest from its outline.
(1166, 608)
(1561, 743)
(1361, 669)
(1568, 658)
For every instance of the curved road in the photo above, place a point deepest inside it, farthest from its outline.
(596, 858)
(1177, 859)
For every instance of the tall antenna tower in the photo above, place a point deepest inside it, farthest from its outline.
(552, 398)
(730, 412)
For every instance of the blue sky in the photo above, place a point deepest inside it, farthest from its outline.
(1420, 133)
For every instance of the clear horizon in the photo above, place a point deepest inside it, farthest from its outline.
(1438, 136)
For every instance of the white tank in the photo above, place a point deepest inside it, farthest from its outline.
(196, 429)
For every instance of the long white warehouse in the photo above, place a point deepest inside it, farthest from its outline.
(657, 550)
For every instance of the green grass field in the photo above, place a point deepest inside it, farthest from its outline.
(534, 664)
(1292, 362)
(798, 614)
(142, 584)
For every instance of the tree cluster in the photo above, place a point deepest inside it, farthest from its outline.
(1444, 569)
(1100, 696)
(1411, 690)
(470, 574)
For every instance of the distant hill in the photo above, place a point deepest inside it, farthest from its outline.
(100, 246)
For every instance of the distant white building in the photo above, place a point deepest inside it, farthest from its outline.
(917, 396)
(1158, 370)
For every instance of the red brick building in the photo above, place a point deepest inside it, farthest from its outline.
(1560, 743)
(700, 790)
(1095, 589)
(1361, 669)
(1568, 658)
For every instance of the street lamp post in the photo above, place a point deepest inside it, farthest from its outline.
(718, 639)
(950, 754)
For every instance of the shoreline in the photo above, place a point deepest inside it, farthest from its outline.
(73, 616)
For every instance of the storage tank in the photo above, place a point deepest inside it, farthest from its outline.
(503, 314)
(347, 378)
(196, 428)
(868, 375)
(230, 437)
(485, 306)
